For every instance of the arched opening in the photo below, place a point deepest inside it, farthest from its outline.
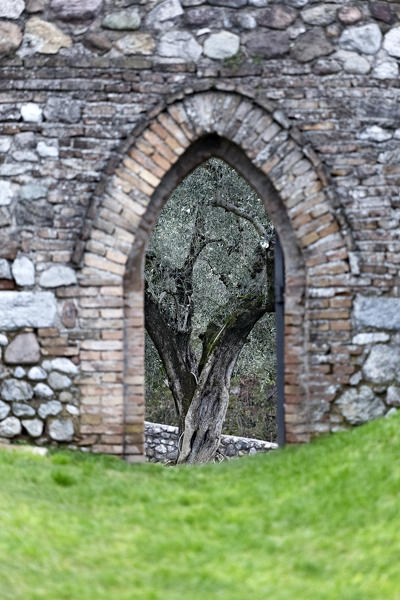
(210, 318)
(199, 153)
(287, 175)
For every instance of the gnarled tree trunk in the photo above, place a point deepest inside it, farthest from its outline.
(206, 414)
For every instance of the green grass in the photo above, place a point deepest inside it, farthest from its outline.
(313, 522)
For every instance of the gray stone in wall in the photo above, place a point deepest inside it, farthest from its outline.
(350, 15)
(123, 19)
(5, 143)
(43, 37)
(221, 45)
(58, 381)
(52, 408)
(10, 427)
(43, 391)
(68, 397)
(179, 44)
(364, 38)
(356, 378)
(61, 109)
(10, 37)
(22, 410)
(391, 42)
(64, 365)
(375, 133)
(32, 191)
(164, 11)
(5, 271)
(382, 313)
(393, 395)
(6, 192)
(57, 276)
(37, 374)
(370, 338)
(24, 349)
(27, 309)
(353, 62)
(276, 17)
(268, 44)
(5, 217)
(228, 3)
(4, 410)
(323, 14)
(34, 427)
(386, 69)
(47, 150)
(15, 390)
(246, 21)
(136, 43)
(19, 373)
(34, 6)
(3, 339)
(61, 430)
(360, 406)
(76, 10)
(23, 271)
(311, 45)
(391, 412)
(382, 12)
(295, 3)
(31, 112)
(382, 364)
(11, 9)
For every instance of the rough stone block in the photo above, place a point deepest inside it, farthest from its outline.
(360, 406)
(34, 427)
(14, 390)
(23, 271)
(52, 408)
(124, 19)
(221, 45)
(44, 37)
(364, 38)
(379, 312)
(24, 350)
(382, 364)
(57, 276)
(11, 9)
(27, 309)
(10, 37)
(61, 430)
(76, 10)
(10, 427)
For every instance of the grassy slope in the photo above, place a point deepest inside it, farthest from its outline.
(317, 522)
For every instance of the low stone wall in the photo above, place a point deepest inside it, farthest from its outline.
(161, 444)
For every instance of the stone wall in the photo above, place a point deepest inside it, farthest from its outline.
(104, 106)
(161, 444)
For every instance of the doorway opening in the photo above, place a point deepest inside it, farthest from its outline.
(214, 293)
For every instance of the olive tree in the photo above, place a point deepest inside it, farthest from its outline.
(208, 281)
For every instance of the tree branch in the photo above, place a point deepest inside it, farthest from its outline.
(265, 235)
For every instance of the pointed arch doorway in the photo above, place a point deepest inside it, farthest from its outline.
(213, 146)
(175, 141)
(210, 314)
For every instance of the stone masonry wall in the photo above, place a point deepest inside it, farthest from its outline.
(161, 444)
(102, 103)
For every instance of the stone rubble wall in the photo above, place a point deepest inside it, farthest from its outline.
(161, 444)
(79, 83)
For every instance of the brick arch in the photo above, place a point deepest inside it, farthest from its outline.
(178, 139)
